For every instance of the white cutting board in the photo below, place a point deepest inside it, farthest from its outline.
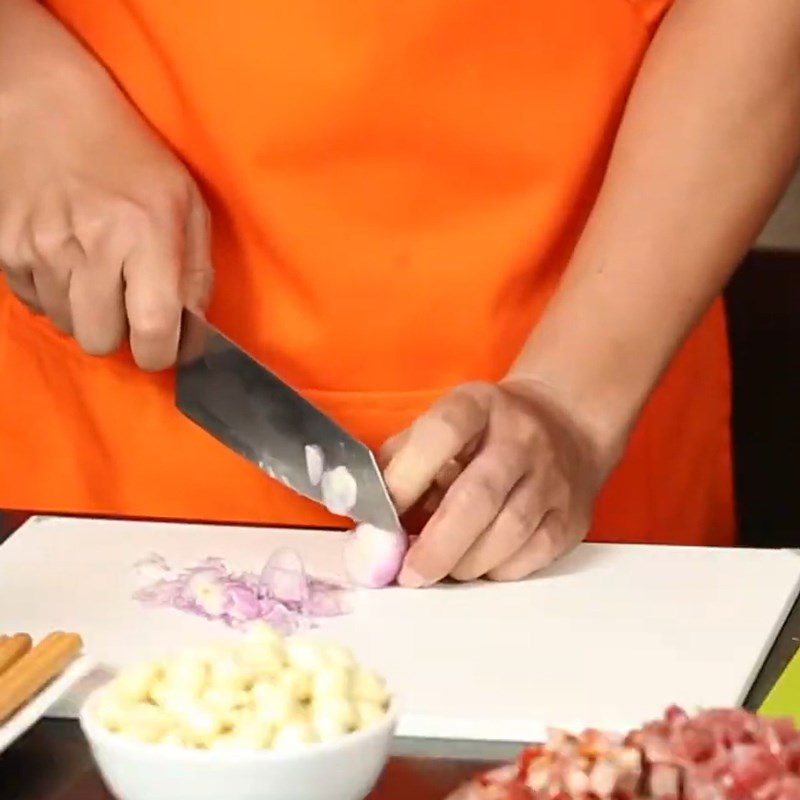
(608, 637)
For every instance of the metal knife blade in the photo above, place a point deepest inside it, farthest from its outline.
(248, 408)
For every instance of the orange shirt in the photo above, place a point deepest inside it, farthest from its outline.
(395, 190)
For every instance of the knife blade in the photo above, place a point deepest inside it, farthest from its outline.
(251, 410)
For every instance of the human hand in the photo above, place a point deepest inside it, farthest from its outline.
(102, 229)
(510, 478)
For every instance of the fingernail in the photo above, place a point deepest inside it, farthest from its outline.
(411, 579)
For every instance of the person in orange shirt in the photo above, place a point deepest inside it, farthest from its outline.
(488, 236)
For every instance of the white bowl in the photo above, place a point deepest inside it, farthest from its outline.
(343, 769)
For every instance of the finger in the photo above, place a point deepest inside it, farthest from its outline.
(508, 532)
(52, 290)
(434, 439)
(429, 501)
(445, 478)
(551, 540)
(390, 448)
(197, 279)
(47, 229)
(21, 284)
(152, 300)
(432, 499)
(96, 298)
(468, 508)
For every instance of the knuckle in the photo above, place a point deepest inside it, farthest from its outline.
(169, 196)
(456, 413)
(131, 216)
(481, 490)
(91, 220)
(47, 242)
(429, 432)
(511, 455)
(12, 266)
(518, 523)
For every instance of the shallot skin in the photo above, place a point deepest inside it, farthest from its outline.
(373, 557)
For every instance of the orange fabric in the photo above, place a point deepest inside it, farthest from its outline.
(395, 189)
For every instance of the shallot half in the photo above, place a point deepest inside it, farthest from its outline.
(373, 557)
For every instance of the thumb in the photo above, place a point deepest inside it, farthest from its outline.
(197, 278)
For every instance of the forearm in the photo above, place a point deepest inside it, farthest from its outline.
(39, 53)
(708, 143)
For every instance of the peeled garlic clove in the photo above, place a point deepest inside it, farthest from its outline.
(342, 708)
(296, 683)
(261, 662)
(201, 723)
(373, 557)
(369, 687)
(260, 634)
(135, 682)
(147, 722)
(187, 674)
(305, 654)
(331, 681)
(339, 655)
(112, 712)
(229, 673)
(174, 739)
(250, 734)
(315, 463)
(333, 718)
(223, 700)
(339, 490)
(273, 704)
(294, 734)
(369, 714)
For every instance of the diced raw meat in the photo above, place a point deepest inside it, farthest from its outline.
(719, 754)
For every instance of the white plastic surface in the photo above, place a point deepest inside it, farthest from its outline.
(608, 637)
(37, 707)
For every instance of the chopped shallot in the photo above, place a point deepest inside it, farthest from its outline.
(282, 595)
(315, 463)
(339, 490)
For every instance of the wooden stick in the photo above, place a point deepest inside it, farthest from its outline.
(35, 670)
(12, 648)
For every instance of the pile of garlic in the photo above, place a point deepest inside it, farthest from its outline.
(269, 692)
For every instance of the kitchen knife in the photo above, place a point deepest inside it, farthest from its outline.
(252, 411)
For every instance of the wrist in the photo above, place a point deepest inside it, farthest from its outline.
(603, 428)
(41, 63)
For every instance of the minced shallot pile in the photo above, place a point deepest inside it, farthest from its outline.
(283, 595)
